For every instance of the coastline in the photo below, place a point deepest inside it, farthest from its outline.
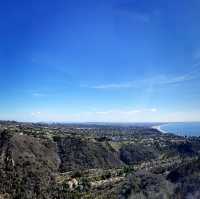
(158, 128)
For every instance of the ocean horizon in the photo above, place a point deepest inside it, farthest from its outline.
(181, 128)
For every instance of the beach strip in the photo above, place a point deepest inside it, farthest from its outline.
(158, 128)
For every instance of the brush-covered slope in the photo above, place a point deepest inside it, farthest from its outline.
(27, 165)
(187, 180)
(78, 153)
(135, 153)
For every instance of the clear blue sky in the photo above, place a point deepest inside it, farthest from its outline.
(100, 60)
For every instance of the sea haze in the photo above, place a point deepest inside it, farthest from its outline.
(182, 128)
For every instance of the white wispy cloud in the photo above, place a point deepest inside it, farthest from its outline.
(114, 85)
(34, 92)
(128, 10)
(36, 114)
(161, 80)
(142, 17)
(196, 54)
(37, 94)
(132, 115)
(120, 115)
(158, 80)
(124, 112)
(135, 16)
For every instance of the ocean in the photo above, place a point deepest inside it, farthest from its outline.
(182, 128)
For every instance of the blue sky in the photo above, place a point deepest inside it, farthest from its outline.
(100, 60)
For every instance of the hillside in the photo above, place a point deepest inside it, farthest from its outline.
(187, 180)
(49, 162)
(78, 153)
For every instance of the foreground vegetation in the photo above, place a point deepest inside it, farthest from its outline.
(96, 161)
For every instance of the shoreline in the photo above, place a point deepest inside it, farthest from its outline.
(158, 128)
